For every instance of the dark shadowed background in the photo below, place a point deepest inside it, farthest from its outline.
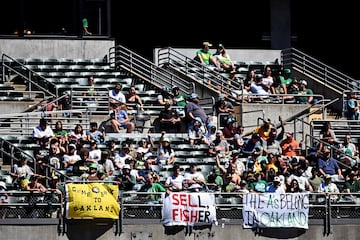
(326, 30)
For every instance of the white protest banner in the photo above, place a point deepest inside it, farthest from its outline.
(276, 210)
(181, 209)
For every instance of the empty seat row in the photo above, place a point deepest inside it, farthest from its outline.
(108, 74)
(62, 61)
(18, 99)
(5, 86)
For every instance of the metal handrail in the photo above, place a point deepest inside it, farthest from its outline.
(328, 76)
(124, 58)
(333, 149)
(205, 75)
(24, 123)
(26, 73)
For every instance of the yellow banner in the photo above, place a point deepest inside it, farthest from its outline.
(92, 200)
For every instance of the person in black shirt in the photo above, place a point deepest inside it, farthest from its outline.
(169, 119)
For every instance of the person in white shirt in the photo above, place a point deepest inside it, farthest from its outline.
(106, 163)
(194, 179)
(329, 187)
(94, 153)
(175, 181)
(116, 96)
(121, 158)
(268, 80)
(71, 158)
(43, 130)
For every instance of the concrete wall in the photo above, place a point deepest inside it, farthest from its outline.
(56, 48)
(156, 231)
(245, 55)
(14, 107)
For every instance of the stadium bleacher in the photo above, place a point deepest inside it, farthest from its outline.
(70, 74)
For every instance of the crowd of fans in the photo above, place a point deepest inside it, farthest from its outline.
(262, 160)
(265, 159)
(271, 83)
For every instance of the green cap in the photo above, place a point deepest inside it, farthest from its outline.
(93, 165)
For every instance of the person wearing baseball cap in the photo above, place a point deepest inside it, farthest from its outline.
(251, 144)
(194, 109)
(179, 98)
(306, 94)
(263, 130)
(126, 179)
(275, 186)
(285, 78)
(289, 145)
(204, 55)
(329, 187)
(224, 59)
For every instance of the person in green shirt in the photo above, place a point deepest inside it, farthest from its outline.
(352, 185)
(306, 94)
(259, 185)
(85, 25)
(286, 77)
(179, 99)
(204, 55)
(153, 186)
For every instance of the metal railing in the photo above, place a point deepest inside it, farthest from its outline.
(31, 204)
(95, 102)
(209, 77)
(17, 124)
(10, 64)
(229, 206)
(123, 58)
(309, 66)
(311, 144)
(136, 205)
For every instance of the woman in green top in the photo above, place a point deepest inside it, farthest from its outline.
(59, 132)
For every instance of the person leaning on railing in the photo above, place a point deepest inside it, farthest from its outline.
(34, 185)
(352, 107)
(306, 94)
(328, 187)
(328, 165)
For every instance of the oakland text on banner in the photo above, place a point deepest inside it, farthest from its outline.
(181, 209)
(92, 200)
(276, 210)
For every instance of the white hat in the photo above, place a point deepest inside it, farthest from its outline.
(3, 184)
(303, 82)
(277, 179)
(141, 150)
(72, 146)
(194, 95)
(126, 166)
(166, 140)
(282, 178)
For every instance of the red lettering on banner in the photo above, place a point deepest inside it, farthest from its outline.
(194, 215)
(185, 215)
(175, 199)
(183, 200)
